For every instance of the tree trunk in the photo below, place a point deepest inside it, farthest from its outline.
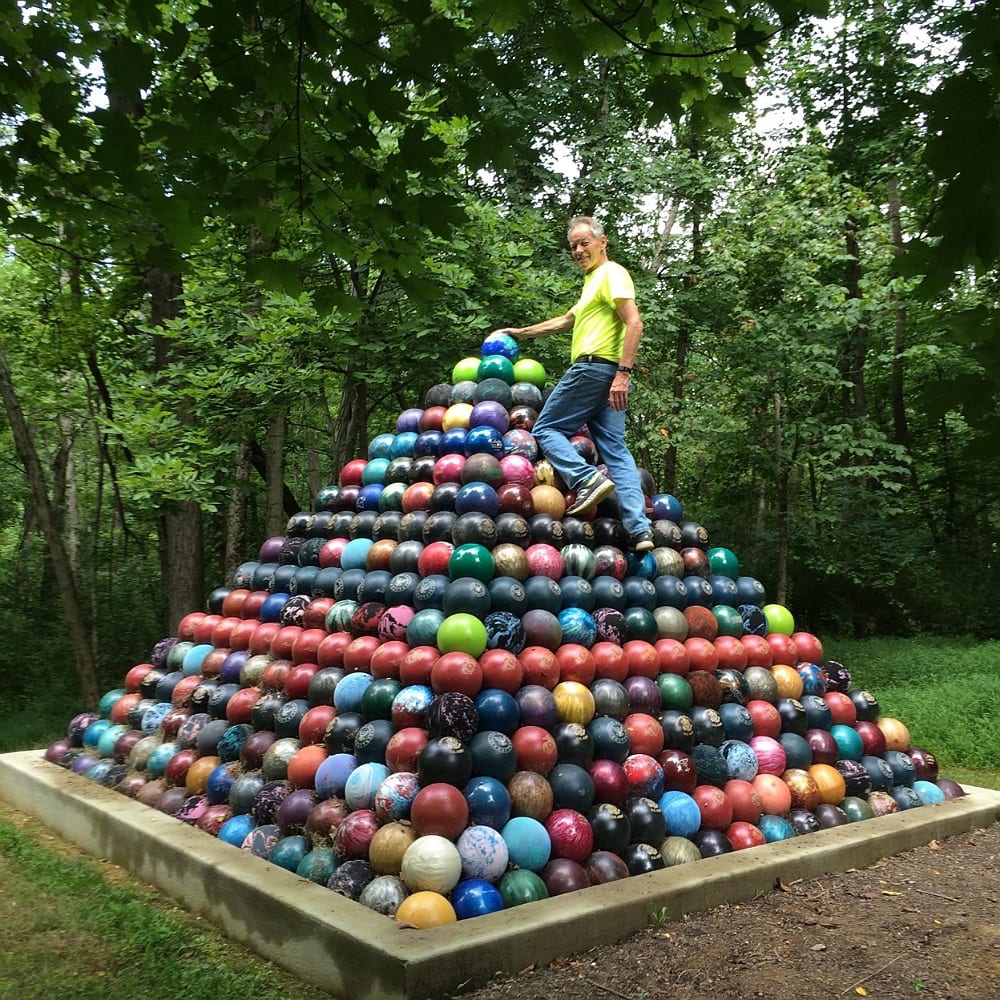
(236, 519)
(782, 493)
(901, 434)
(856, 346)
(181, 554)
(76, 624)
(352, 422)
(275, 518)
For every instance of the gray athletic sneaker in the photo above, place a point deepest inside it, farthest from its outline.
(596, 489)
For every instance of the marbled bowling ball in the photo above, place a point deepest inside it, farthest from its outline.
(805, 791)
(882, 803)
(838, 676)
(605, 866)
(531, 795)
(775, 828)
(814, 678)
(504, 631)
(483, 853)
(803, 821)
(857, 780)
(261, 840)
(924, 763)
(733, 686)
(611, 626)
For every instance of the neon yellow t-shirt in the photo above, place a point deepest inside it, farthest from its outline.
(597, 327)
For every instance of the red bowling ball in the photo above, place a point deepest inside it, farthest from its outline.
(501, 670)
(673, 656)
(743, 835)
(535, 749)
(745, 801)
(576, 663)
(758, 651)
(731, 652)
(716, 810)
(766, 718)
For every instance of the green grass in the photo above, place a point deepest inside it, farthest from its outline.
(67, 932)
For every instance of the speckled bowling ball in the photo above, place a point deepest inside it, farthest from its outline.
(452, 714)
(268, 800)
(351, 879)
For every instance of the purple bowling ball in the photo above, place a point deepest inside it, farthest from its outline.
(644, 695)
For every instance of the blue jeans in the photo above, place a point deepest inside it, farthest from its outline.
(582, 397)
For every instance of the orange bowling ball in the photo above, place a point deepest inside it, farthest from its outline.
(425, 909)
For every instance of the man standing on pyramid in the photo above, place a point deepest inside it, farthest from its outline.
(594, 390)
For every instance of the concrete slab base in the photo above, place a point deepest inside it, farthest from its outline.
(352, 951)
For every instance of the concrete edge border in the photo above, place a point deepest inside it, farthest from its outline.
(349, 950)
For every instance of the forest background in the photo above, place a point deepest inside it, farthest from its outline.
(242, 236)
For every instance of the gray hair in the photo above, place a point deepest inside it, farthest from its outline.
(585, 220)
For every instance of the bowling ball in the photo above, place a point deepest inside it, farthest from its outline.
(857, 780)
(570, 835)
(646, 820)
(490, 806)
(678, 730)
(712, 843)
(775, 828)
(521, 886)
(798, 753)
(439, 808)
(493, 755)
(679, 770)
(643, 858)
(743, 835)
(446, 759)
(610, 739)
(803, 821)
(530, 795)
(535, 748)
(605, 866)
(572, 787)
(829, 816)
(610, 781)
(474, 898)
(528, 843)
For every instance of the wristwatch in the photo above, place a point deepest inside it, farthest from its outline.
(625, 369)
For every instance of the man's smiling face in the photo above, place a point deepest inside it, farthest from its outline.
(589, 251)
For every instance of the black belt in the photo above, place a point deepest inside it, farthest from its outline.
(594, 359)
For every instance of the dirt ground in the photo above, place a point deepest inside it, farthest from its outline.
(922, 924)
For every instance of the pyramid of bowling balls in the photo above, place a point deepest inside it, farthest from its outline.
(440, 696)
